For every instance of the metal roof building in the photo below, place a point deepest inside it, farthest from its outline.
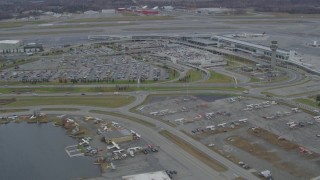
(247, 47)
(8, 46)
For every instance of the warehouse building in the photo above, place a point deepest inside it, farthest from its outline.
(10, 46)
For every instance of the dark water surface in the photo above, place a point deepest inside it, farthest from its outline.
(36, 152)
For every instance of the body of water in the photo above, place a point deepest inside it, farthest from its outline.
(37, 152)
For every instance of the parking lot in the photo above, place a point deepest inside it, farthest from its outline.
(280, 138)
(85, 69)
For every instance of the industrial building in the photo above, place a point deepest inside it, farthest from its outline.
(10, 46)
(255, 49)
(158, 175)
(118, 136)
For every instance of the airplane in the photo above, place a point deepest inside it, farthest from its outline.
(118, 151)
(131, 153)
(84, 141)
(105, 128)
(32, 117)
(155, 8)
(115, 145)
(154, 113)
(303, 150)
(292, 122)
(172, 112)
(295, 109)
(222, 125)
(199, 116)
(113, 166)
(164, 111)
(134, 149)
(114, 123)
(247, 109)
(293, 126)
(258, 35)
(61, 116)
(243, 120)
(144, 7)
(317, 117)
(88, 118)
(210, 114)
(212, 127)
(179, 120)
(274, 102)
(134, 133)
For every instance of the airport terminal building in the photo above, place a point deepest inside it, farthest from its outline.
(254, 49)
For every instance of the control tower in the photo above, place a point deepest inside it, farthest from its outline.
(273, 47)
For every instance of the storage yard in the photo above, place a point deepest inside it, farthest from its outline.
(282, 139)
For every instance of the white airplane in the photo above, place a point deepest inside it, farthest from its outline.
(269, 117)
(293, 125)
(105, 128)
(292, 122)
(70, 120)
(61, 116)
(222, 125)
(212, 127)
(144, 7)
(115, 145)
(88, 118)
(210, 114)
(155, 8)
(243, 120)
(274, 102)
(83, 141)
(179, 120)
(164, 110)
(135, 149)
(131, 153)
(153, 113)
(118, 151)
(199, 116)
(32, 117)
(317, 117)
(114, 123)
(247, 109)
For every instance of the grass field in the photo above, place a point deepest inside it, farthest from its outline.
(308, 101)
(12, 110)
(86, 26)
(100, 101)
(125, 18)
(59, 109)
(65, 89)
(194, 75)
(51, 32)
(15, 24)
(212, 163)
(218, 78)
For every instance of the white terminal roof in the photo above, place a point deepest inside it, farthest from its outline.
(9, 41)
(251, 44)
(158, 175)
